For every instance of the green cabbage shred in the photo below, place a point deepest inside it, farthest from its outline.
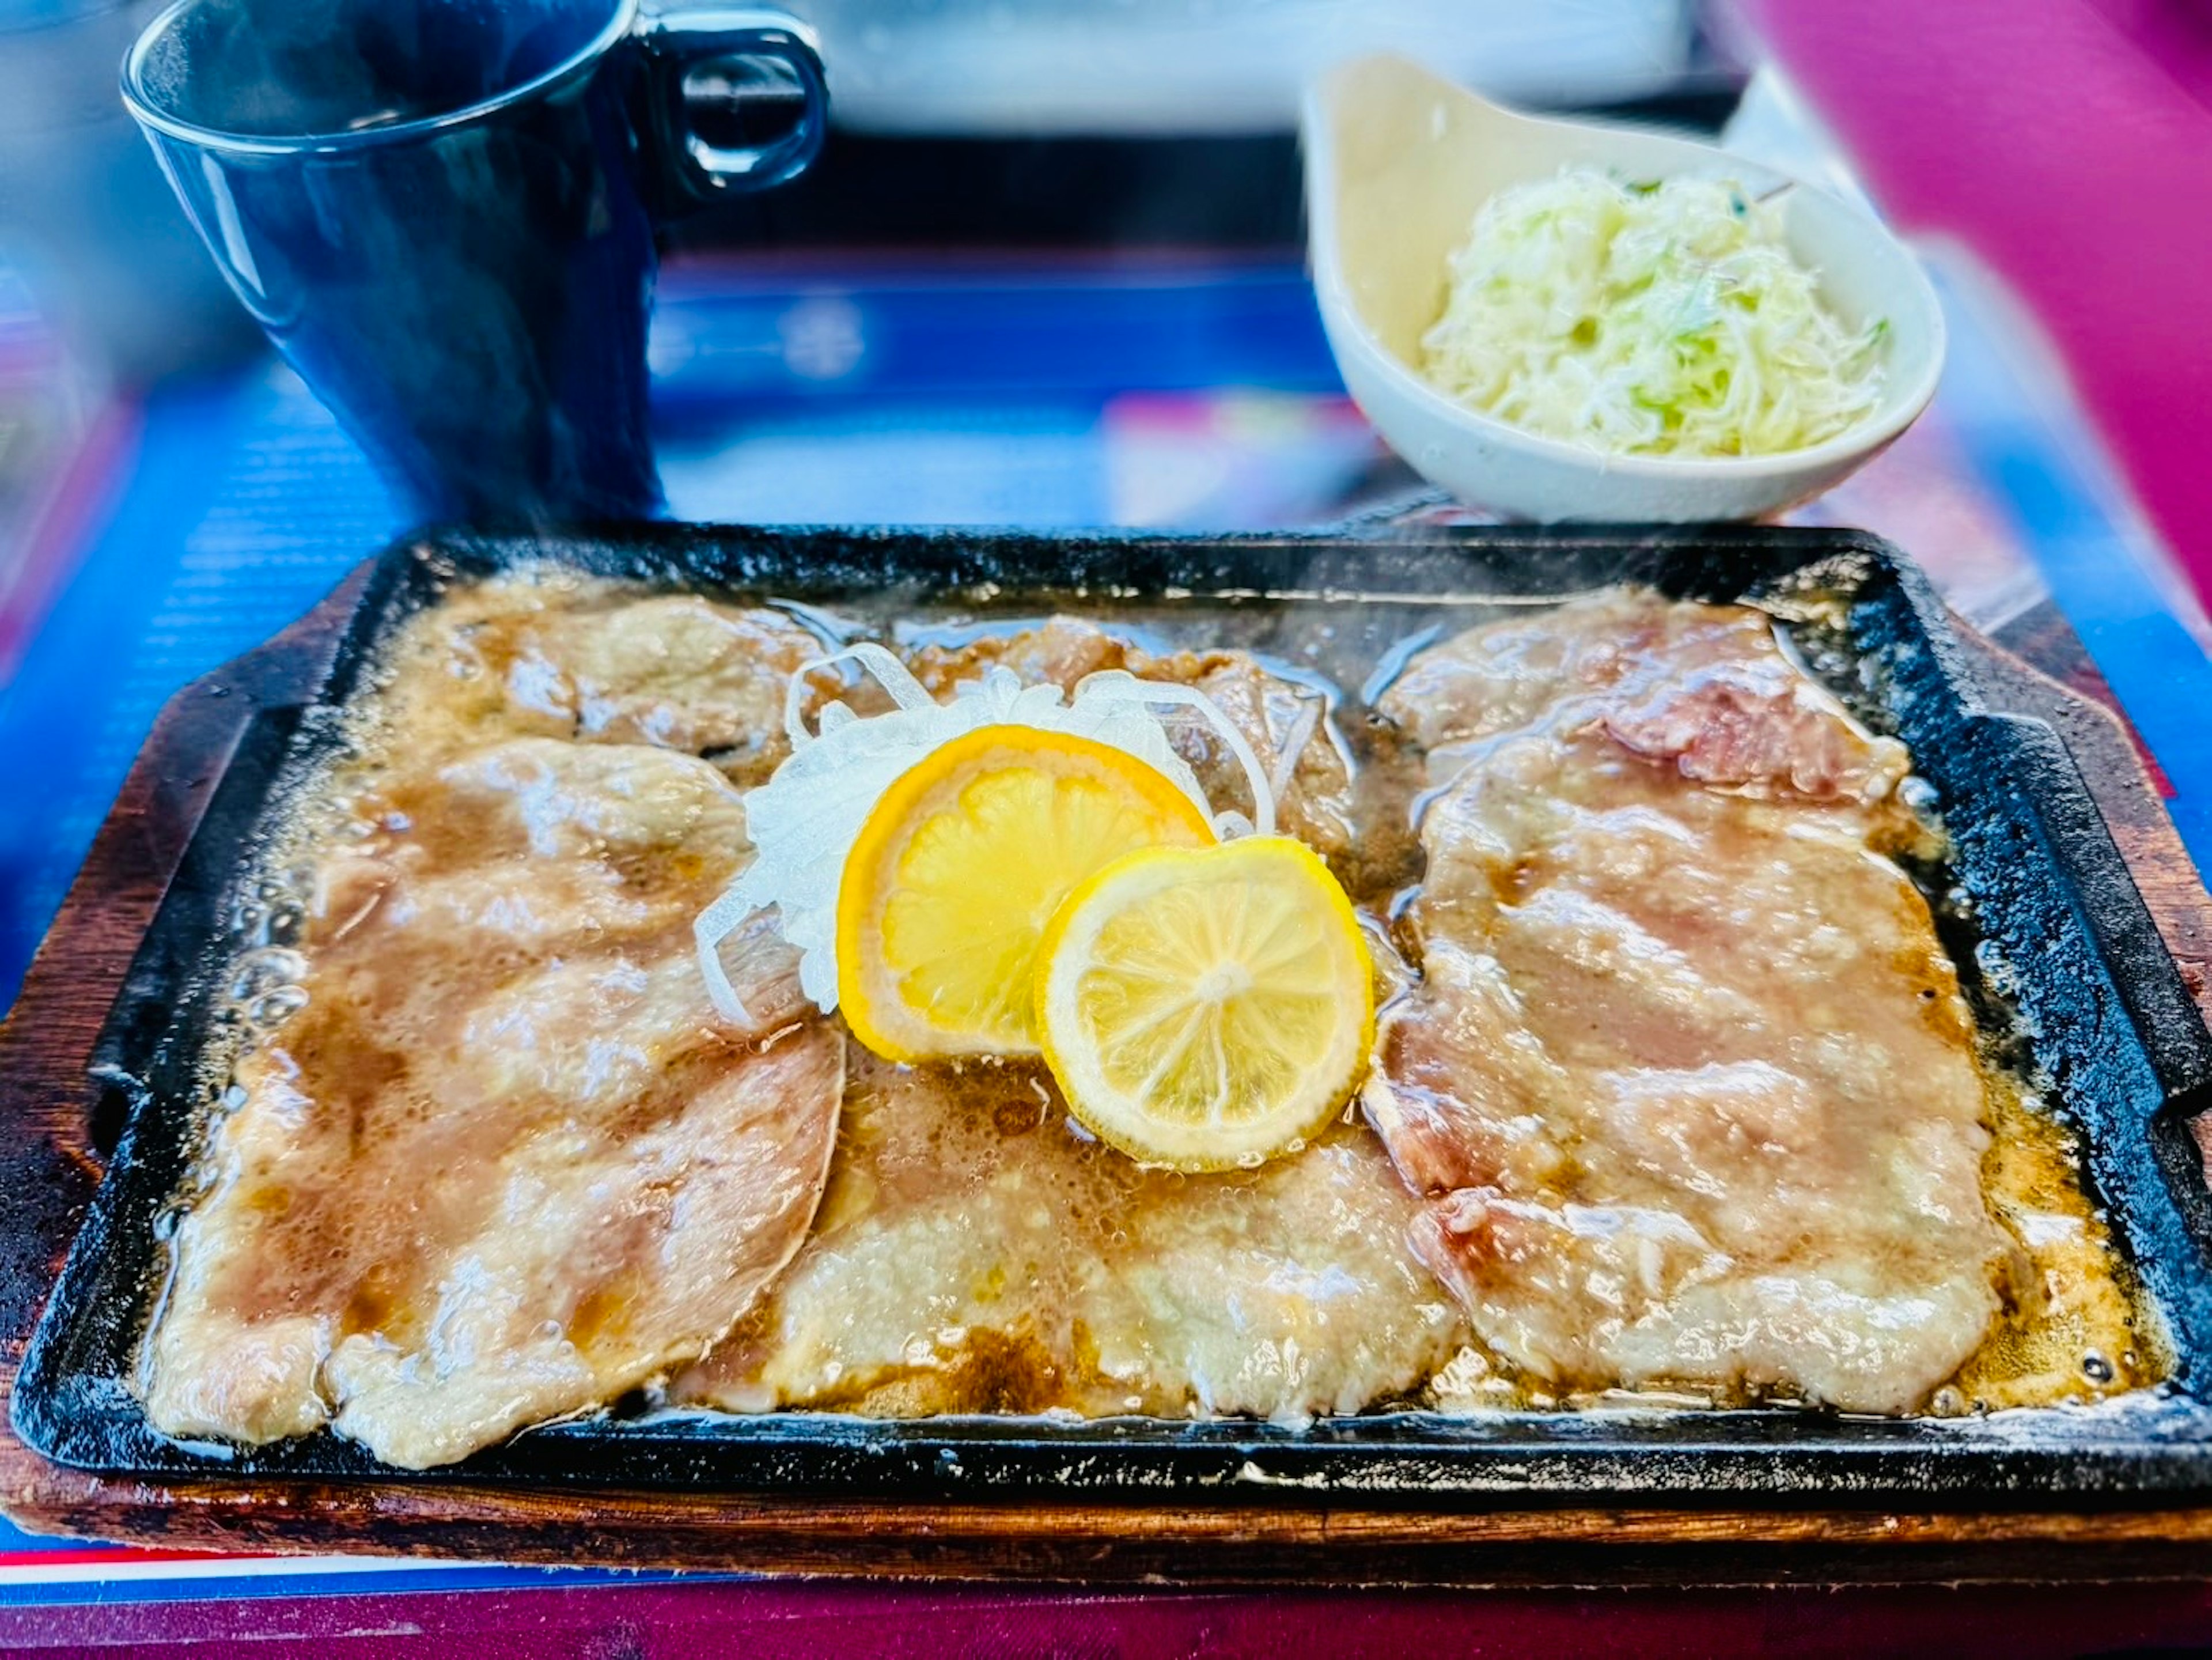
(1635, 319)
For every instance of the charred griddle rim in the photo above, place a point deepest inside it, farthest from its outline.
(2107, 1017)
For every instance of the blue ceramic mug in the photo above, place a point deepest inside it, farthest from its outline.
(443, 212)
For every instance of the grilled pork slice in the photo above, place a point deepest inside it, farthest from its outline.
(1703, 689)
(977, 1253)
(1687, 1085)
(503, 1165)
(675, 671)
(523, 657)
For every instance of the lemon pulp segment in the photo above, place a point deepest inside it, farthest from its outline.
(958, 868)
(1207, 1008)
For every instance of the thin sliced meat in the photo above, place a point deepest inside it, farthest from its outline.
(601, 1260)
(1464, 1096)
(536, 655)
(1060, 652)
(1705, 687)
(1688, 1084)
(1759, 722)
(973, 1254)
(676, 670)
(504, 1165)
(1510, 674)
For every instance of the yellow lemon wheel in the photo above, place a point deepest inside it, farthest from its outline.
(1209, 1009)
(960, 866)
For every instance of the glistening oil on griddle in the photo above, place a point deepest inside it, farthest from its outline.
(1333, 607)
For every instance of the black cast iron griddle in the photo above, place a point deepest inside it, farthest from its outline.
(2090, 988)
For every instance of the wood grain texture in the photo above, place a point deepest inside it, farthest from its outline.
(48, 1168)
(2040, 668)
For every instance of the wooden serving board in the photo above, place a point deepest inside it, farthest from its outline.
(49, 1166)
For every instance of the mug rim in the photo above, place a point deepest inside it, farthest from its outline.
(620, 24)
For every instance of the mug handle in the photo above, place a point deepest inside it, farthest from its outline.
(772, 44)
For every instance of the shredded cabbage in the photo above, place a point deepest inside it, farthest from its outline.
(1647, 320)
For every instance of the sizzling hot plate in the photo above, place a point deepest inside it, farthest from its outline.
(2093, 999)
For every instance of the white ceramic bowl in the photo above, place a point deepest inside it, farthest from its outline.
(1397, 163)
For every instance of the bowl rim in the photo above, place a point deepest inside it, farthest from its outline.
(1853, 443)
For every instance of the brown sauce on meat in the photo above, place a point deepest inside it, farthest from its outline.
(2071, 1326)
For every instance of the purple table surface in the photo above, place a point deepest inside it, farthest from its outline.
(2069, 143)
(765, 1621)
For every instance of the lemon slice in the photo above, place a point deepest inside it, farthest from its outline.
(961, 863)
(1206, 1009)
